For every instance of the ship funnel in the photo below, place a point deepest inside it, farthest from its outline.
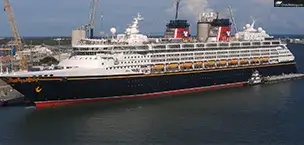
(211, 28)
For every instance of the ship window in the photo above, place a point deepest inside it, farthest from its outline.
(211, 44)
(143, 47)
(223, 44)
(200, 45)
(159, 46)
(235, 44)
(256, 43)
(246, 44)
(174, 46)
(51, 75)
(188, 46)
(266, 43)
(276, 42)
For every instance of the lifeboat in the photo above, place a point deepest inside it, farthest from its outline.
(210, 63)
(198, 64)
(172, 66)
(255, 60)
(222, 62)
(187, 65)
(265, 59)
(158, 67)
(233, 62)
(244, 61)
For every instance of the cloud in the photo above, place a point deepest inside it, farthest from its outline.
(191, 8)
(263, 1)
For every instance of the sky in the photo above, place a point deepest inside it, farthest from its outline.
(60, 17)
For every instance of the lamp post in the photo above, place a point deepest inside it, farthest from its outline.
(58, 40)
(101, 25)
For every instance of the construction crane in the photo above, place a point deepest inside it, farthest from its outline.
(176, 9)
(232, 18)
(93, 8)
(17, 42)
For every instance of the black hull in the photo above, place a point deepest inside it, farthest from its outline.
(79, 88)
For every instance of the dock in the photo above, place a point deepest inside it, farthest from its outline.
(281, 78)
(9, 96)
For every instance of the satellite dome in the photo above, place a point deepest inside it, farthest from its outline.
(128, 30)
(113, 30)
(247, 25)
(263, 31)
(260, 29)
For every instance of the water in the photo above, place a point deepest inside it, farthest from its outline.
(250, 115)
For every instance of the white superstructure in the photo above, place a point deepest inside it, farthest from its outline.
(135, 53)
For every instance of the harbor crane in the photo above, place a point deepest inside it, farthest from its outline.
(17, 42)
(232, 18)
(93, 8)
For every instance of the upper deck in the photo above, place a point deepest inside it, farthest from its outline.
(133, 40)
(99, 44)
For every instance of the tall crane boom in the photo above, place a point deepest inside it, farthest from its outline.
(15, 33)
(232, 18)
(93, 8)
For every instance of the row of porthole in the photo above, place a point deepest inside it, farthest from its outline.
(128, 62)
(122, 67)
(46, 75)
(135, 57)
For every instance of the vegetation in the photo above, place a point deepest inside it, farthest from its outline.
(40, 41)
(48, 61)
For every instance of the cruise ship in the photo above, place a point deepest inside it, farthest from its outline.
(131, 65)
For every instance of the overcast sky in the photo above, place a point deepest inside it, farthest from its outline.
(59, 17)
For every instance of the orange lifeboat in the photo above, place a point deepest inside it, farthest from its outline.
(255, 60)
(187, 65)
(222, 62)
(265, 59)
(158, 67)
(233, 62)
(244, 61)
(198, 64)
(172, 66)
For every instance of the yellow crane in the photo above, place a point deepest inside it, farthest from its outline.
(17, 42)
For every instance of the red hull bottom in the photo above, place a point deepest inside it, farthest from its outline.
(47, 104)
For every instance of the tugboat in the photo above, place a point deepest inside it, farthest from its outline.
(255, 79)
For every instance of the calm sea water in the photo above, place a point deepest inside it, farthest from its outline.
(261, 114)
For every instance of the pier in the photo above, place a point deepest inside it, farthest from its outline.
(9, 96)
(281, 78)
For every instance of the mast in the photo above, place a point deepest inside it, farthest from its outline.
(176, 9)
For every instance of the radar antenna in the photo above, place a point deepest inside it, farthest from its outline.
(253, 22)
